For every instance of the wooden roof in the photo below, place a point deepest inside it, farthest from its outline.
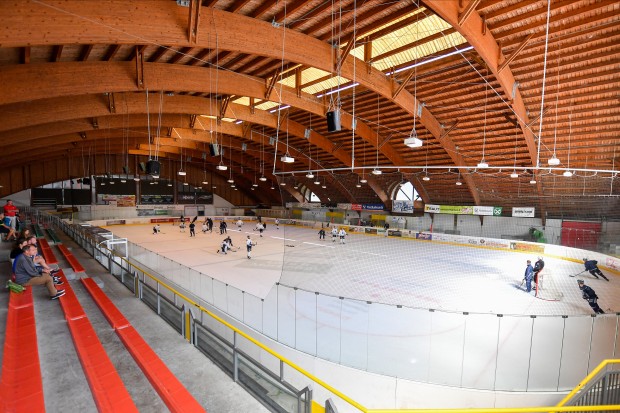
(507, 82)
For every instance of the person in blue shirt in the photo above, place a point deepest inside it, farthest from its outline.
(593, 268)
(529, 274)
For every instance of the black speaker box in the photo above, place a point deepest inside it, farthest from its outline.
(333, 121)
(125, 170)
(142, 167)
(152, 167)
(214, 149)
(86, 181)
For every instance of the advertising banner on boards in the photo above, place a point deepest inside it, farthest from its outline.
(523, 212)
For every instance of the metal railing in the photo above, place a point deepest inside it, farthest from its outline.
(163, 298)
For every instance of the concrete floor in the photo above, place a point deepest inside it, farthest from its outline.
(393, 271)
(65, 386)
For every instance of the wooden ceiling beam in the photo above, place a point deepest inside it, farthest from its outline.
(193, 21)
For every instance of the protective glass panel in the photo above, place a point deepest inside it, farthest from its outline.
(253, 311)
(547, 335)
(328, 315)
(219, 295)
(513, 352)
(603, 339)
(305, 321)
(235, 302)
(206, 289)
(575, 351)
(354, 330)
(270, 314)
(391, 340)
(286, 316)
(480, 351)
(447, 338)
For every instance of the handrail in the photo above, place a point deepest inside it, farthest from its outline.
(589, 377)
(559, 408)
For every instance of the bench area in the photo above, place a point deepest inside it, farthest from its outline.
(21, 385)
(38, 232)
(73, 262)
(169, 388)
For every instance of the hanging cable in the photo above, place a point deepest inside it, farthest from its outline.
(542, 100)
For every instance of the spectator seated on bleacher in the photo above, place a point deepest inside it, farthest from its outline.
(25, 233)
(17, 249)
(26, 273)
(39, 261)
(5, 228)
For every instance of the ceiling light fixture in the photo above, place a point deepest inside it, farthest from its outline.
(363, 180)
(221, 167)
(376, 171)
(413, 142)
(309, 175)
(553, 161)
(514, 174)
(262, 178)
(287, 158)
(567, 173)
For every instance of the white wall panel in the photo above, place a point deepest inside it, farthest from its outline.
(328, 327)
(547, 336)
(206, 289)
(305, 321)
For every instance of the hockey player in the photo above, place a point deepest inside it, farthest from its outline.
(334, 234)
(249, 244)
(226, 245)
(205, 227)
(277, 222)
(529, 272)
(342, 233)
(593, 268)
(260, 228)
(182, 226)
(156, 229)
(538, 266)
(192, 229)
(590, 296)
(239, 224)
(322, 234)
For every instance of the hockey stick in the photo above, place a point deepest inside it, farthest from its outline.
(574, 275)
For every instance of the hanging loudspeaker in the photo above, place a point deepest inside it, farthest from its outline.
(333, 121)
(142, 167)
(214, 149)
(125, 170)
(152, 167)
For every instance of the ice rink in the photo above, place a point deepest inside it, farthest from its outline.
(397, 271)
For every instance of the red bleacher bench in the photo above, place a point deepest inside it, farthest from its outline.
(73, 262)
(46, 251)
(109, 392)
(21, 385)
(169, 388)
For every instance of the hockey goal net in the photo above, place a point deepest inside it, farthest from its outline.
(547, 288)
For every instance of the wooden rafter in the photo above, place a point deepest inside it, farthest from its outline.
(515, 53)
(193, 20)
